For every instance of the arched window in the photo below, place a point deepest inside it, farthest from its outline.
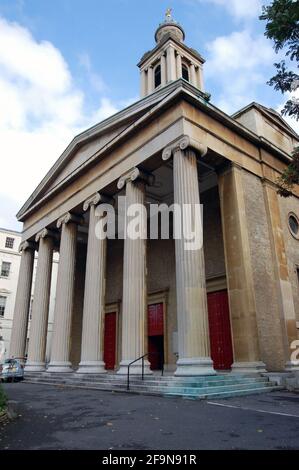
(185, 72)
(157, 76)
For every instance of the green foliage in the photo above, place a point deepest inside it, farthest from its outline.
(282, 27)
(2, 398)
(290, 177)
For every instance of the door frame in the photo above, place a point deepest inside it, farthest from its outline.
(113, 308)
(161, 297)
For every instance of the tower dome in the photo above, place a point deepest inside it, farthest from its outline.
(169, 25)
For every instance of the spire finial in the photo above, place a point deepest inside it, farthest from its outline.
(168, 14)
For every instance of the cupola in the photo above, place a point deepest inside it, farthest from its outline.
(170, 60)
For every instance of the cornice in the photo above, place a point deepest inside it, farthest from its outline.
(167, 38)
(152, 105)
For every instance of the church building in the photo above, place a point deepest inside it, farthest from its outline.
(230, 305)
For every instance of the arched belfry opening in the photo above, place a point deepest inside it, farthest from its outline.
(185, 72)
(157, 75)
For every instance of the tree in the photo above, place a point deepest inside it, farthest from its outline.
(282, 27)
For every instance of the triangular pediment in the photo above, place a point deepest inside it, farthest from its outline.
(84, 153)
(270, 114)
(87, 145)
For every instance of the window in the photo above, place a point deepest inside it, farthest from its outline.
(185, 72)
(157, 76)
(9, 243)
(294, 225)
(5, 269)
(2, 305)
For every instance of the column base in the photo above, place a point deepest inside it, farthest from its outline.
(249, 367)
(194, 366)
(35, 367)
(135, 369)
(292, 366)
(60, 367)
(91, 367)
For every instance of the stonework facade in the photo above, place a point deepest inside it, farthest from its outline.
(231, 305)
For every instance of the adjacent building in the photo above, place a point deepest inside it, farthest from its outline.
(232, 304)
(10, 259)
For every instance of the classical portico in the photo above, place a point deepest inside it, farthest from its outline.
(216, 307)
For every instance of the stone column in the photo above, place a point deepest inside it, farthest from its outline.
(134, 301)
(163, 70)
(41, 299)
(192, 312)
(61, 338)
(199, 73)
(193, 75)
(179, 66)
(94, 296)
(171, 65)
(22, 303)
(150, 80)
(143, 83)
(239, 269)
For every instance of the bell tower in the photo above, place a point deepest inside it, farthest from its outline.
(170, 60)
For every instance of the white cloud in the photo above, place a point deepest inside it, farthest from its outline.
(239, 9)
(237, 65)
(40, 112)
(95, 79)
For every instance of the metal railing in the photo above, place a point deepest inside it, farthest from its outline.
(142, 367)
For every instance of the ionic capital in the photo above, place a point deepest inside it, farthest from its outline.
(96, 199)
(44, 234)
(26, 245)
(135, 175)
(69, 217)
(183, 143)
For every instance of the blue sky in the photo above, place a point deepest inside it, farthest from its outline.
(67, 64)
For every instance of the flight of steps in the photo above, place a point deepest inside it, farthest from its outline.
(218, 386)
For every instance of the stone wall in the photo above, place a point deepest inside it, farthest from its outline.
(213, 239)
(76, 333)
(291, 246)
(270, 321)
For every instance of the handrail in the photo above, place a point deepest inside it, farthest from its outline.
(142, 369)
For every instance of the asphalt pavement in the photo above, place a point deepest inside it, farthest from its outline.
(56, 417)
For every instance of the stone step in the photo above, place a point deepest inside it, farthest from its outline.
(138, 384)
(112, 377)
(225, 388)
(186, 381)
(228, 394)
(221, 385)
(207, 395)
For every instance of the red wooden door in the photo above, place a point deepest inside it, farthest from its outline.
(155, 320)
(110, 340)
(220, 331)
(155, 336)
